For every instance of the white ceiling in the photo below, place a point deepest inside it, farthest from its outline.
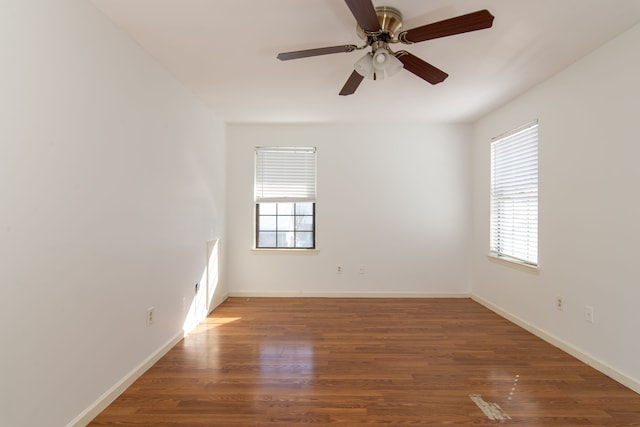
(225, 52)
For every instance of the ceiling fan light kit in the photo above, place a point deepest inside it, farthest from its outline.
(375, 66)
(364, 66)
(379, 27)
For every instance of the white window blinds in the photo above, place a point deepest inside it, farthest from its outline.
(285, 174)
(514, 195)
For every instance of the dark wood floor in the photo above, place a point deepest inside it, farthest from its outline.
(281, 362)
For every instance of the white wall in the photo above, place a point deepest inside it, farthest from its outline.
(393, 199)
(111, 183)
(589, 206)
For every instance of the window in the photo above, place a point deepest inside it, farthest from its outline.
(285, 195)
(514, 195)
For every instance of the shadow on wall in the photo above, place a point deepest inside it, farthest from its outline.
(201, 305)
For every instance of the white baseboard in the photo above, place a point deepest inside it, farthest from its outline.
(302, 294)
(595, 363)
(215, 303)
(110, 395)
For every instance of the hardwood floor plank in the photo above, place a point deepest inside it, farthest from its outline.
(278, 362)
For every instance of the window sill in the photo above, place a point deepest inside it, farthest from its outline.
(512, 262)
(283, 251)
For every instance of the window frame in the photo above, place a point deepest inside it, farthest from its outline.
(281, 178)
(514, 196)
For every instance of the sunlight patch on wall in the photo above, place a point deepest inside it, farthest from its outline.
(201, 303)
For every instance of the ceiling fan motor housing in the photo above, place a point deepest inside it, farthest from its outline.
(390, 23)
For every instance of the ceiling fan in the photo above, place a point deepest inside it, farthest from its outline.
(378, 27)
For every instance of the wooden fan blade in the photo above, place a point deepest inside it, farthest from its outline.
(352, 84)
(461, 24)
(285, 56)
(365, 14)
(420, 68)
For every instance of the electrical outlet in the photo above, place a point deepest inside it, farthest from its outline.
(559, 303)
(150, 316)
(588, 313)
(361, 269)
(339, 269)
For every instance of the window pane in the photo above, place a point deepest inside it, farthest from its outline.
(267, 208)
(304, 240)
(304, 223)
(285, 208)
(285, 223)
(304, 208)
(286, 239)
(267, 223)
(266, 240)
